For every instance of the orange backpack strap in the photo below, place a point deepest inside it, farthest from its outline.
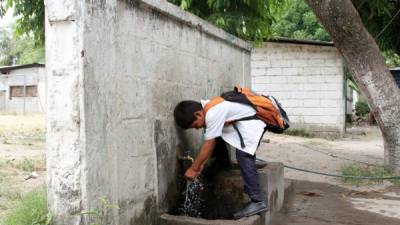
(244, 91)
(212, 103)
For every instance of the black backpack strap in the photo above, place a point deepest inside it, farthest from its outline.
(240, 135)
(254, 117)
(262, 135)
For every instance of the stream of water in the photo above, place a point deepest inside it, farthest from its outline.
(193, 203)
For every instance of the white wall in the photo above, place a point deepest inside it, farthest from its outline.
(116, 70)
(307, 79)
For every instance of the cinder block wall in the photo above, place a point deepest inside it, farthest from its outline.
(116, 70)
(307, 79)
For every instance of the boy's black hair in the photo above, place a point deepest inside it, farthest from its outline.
(184, 113)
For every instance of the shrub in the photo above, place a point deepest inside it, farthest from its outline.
(31, 210)
(362, 108)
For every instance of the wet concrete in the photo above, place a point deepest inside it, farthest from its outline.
(167, 219)
(332, 206)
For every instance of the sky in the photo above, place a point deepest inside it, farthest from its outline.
(7, 20)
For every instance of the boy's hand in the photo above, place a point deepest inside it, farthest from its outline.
(191, 173)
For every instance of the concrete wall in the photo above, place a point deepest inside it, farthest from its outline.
(2, 100)
(307, 79)
(116, 70)
(21, 77)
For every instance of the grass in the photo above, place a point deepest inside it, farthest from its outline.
(11, 190)
(367, 171)
(298, 132)
(32, 209)
(28, 165)
(10, 194)
(22, 129)
(6, 142)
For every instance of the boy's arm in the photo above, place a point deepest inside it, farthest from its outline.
(205, 152)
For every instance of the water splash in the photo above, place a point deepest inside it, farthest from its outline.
(193, 199)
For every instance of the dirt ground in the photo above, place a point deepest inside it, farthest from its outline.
(338, 203)
(361, 145)
(22, 151)
(335, 205)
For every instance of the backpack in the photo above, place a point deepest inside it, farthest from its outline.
(268, 109)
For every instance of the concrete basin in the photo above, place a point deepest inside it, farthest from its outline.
(168, 219)
(225, 196)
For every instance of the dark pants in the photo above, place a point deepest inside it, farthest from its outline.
(248, 169)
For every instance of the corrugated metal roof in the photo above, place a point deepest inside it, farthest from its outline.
(298, 41)
(7, 69)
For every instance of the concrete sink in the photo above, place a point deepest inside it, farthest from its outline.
(225, 196)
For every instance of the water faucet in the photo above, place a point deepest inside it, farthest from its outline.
(184, 155)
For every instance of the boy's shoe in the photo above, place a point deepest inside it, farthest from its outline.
(252, 208)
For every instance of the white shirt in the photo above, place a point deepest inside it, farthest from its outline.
(251, 130)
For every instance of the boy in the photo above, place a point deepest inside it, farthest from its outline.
(218, 120)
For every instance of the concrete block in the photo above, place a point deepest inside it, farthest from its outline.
(333, 78)
(311, 111)
(306, 94)
(275, 87)
(312, 87)
(280, 95)
(278, 79)
(334, 111)
(260, 64)
(258, 87)
(291, 103)
(337, 94)
(330, 70)
(258, 72)
(320, 119)
(280, 63)
(297, 79)
(330, 102)
(332, 86)
(291, 55)
(312, 103)
(312, 70)
(291, 71)
(333, 61)
(262, 80)
(315, 79)
(274, 71)
(298, 62)
(258, 55)
(275, 54)
(290, 193)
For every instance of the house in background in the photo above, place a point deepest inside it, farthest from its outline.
(23, 88)
(307, 77)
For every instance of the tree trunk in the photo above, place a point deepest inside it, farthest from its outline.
(366, 63)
